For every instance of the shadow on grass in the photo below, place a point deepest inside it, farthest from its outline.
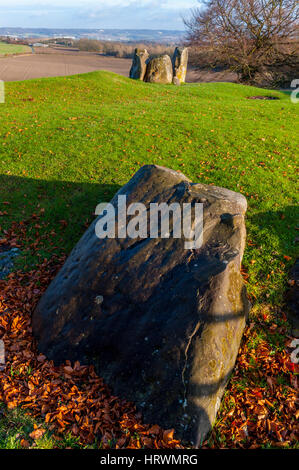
(54, 212)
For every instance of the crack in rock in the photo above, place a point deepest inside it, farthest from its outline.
(186, 361)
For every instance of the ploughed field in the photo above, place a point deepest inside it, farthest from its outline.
(50, 62)
(68, 143)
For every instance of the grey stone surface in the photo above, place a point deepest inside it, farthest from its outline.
(7, 261)
(176, 81)
(162, 324)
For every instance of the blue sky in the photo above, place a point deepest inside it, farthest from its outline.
(135, 14)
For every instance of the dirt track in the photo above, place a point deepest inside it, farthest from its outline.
(54, 64)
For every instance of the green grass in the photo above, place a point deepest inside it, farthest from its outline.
(68, 143)
(12, 49)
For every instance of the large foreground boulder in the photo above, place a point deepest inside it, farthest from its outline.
(159, 70)
(180, 64)
(292, 299)
(138, 68)
(161, 323)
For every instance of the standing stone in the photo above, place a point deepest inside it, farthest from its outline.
(138, 68)
(161, 323)
(159, 70)
(180, 64)
(7, 261)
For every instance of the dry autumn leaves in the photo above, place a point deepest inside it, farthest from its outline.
(258, 411)
(70, 397)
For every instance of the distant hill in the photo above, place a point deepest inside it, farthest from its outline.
(124, 35)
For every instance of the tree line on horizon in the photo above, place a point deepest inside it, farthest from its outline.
(121, 49)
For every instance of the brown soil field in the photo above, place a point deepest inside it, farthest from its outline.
(25, 67)
(54, 63)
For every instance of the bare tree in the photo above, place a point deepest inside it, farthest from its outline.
(246, 35)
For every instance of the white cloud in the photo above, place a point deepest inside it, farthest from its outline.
(136, 14)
